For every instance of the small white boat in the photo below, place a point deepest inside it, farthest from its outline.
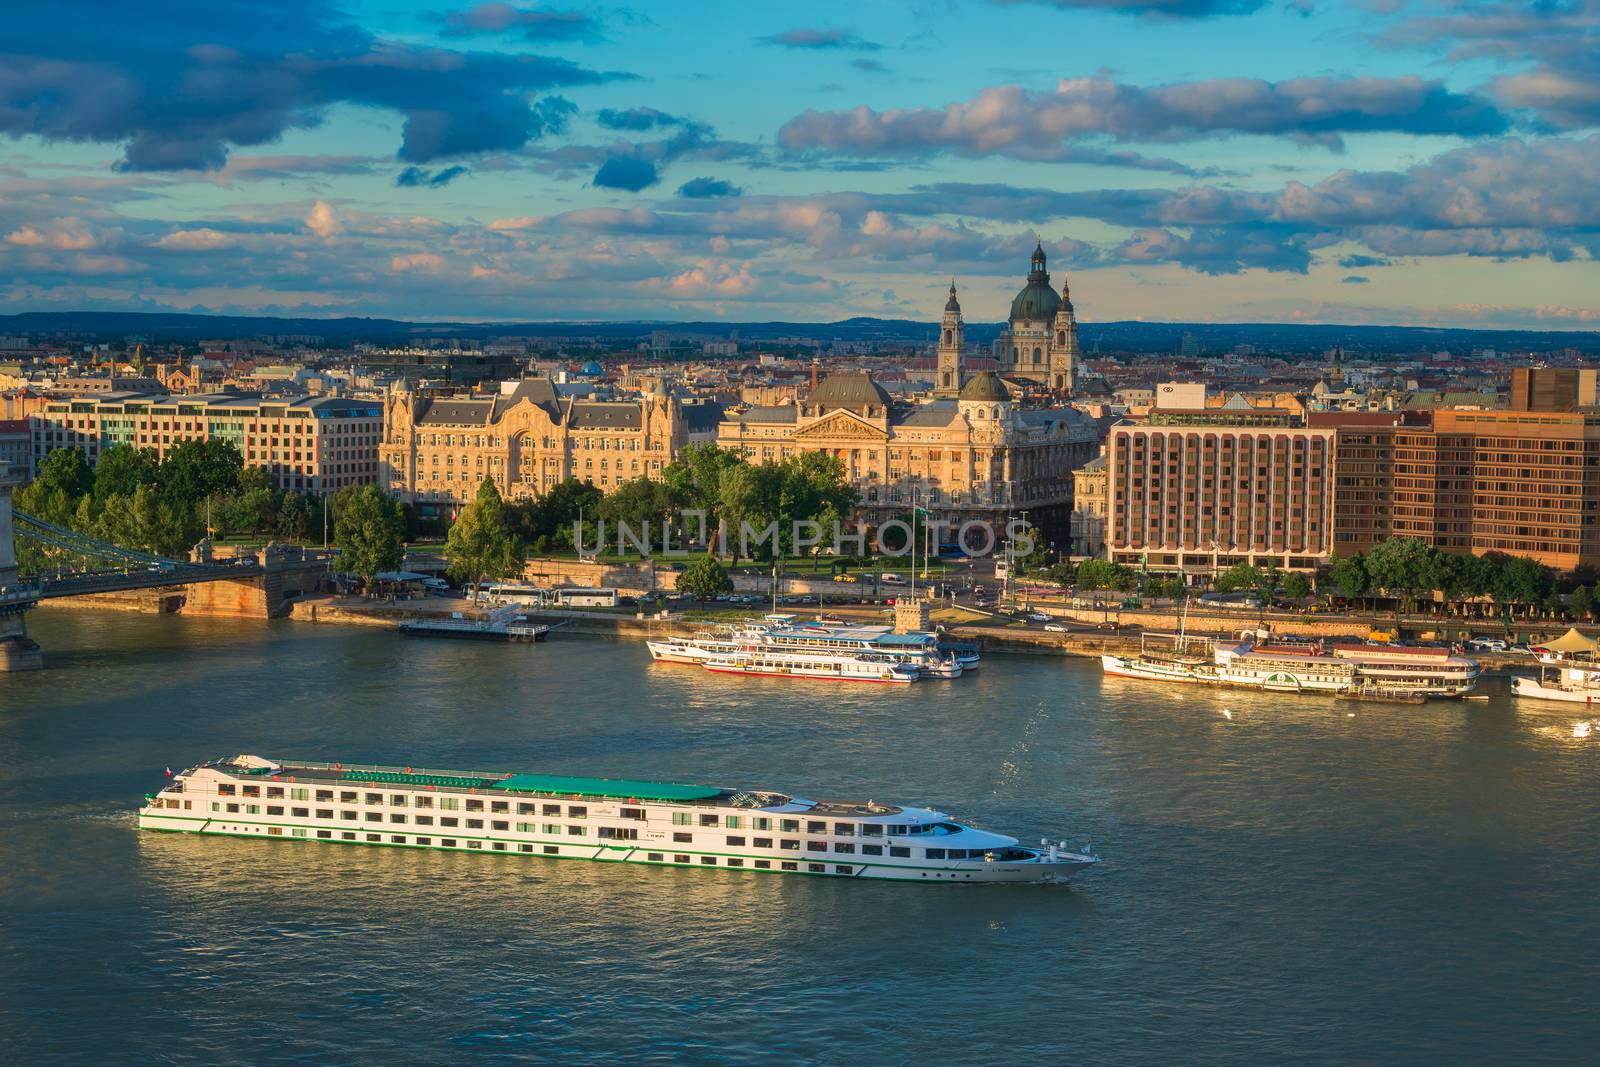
(945, 668)
(1570, 685)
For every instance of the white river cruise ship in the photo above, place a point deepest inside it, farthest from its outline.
(605, 819)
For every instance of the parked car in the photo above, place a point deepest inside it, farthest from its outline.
(1520, 650)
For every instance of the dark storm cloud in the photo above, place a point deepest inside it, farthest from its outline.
(708, 189)
(1020, 123)
(628, 173)
(636, 119)
(1178, 9)
(821, 40)
(185, 83)
(416, 177)
(529, 24)
(1358, 262)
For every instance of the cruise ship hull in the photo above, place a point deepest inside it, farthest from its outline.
(885, 677)
(1039, 872)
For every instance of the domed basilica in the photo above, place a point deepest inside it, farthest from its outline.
(1038, 344)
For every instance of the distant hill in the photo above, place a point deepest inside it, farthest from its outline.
(1213, 338)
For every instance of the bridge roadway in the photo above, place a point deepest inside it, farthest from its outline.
(32, 590)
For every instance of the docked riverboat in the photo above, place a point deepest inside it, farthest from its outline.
(773, 663)
(1373, 671)
(783, 634)
(601, 819)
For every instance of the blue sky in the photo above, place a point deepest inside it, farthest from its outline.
(1394, 161)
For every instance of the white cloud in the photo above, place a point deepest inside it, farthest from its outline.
(67, 235)
(424, 262)
(324, 221)
(203, 239)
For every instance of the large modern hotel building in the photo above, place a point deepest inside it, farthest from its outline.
(310, 444)
(1199, 488)
(1204, 488)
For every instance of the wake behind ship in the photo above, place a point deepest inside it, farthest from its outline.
(602, 819)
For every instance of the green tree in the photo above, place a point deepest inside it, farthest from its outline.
(548, 520)
(294, 517)
(481, 545)
(1400, 567)
(1237, 577)
(66, 469)
(643, 504)
(369, 530)
(1064, 574)
(704, 577)
(193, 470)
(123, 469)
(1580, 603)
(1349, 576)
(1103, 574)
(253, 510)
(1296, 586)
(695, 480)
(1524, 581)
(810, 487)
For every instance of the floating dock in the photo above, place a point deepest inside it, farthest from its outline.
(504, 624)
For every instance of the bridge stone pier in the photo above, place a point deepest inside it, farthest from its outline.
(287, 572)
(18, 651)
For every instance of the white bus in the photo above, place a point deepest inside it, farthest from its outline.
(507, 592)
(576, 597)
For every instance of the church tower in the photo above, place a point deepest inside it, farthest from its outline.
(1064, 344)
(952, 339)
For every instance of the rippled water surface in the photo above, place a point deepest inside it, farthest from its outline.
(1284, 878)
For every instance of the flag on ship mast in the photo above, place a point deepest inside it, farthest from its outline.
(169, 772)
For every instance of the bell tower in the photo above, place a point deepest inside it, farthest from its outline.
(1064, 344)
(952, 339)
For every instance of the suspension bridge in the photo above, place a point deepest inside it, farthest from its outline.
(63, 563)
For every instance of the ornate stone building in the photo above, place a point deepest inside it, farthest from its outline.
(1039, 342)
(436, 451)
(975, 456)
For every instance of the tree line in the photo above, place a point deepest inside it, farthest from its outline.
(492, 538)
(135, 498)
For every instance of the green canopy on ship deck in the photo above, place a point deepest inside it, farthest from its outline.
(605, 787)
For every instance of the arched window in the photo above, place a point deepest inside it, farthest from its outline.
(1061, 337)
(1036, 354)
(947, 336)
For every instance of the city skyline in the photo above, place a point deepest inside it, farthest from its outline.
(1186, 160)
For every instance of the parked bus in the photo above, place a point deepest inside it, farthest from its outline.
(506, 592)
(576, 597)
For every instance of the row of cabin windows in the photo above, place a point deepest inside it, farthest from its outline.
(400, 800)
(448, 821)
(792, 826)
(608, 833)
(581, 811)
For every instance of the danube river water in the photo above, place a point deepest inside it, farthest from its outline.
(1283, 878)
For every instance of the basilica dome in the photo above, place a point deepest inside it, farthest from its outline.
(1037, 302)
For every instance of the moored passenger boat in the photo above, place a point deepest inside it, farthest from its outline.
(777, 664)
(1372, 671)
(603, 819)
